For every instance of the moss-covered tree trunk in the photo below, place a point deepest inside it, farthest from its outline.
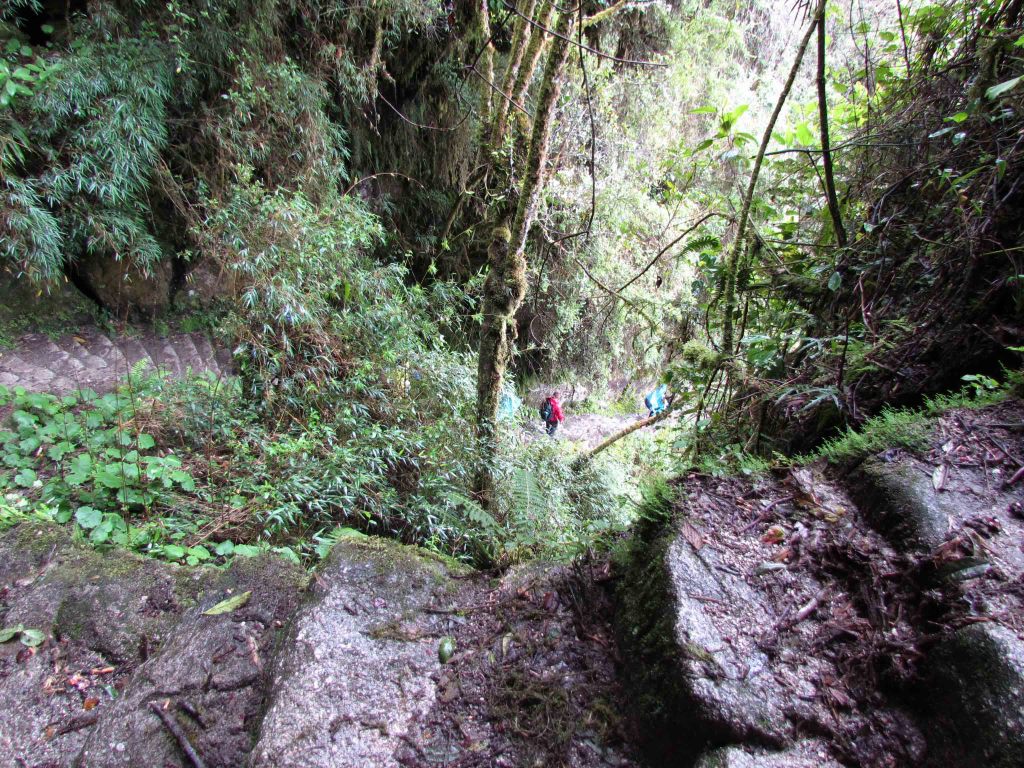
(505, 286)
(521, 35)
(482, 35)
(531, 56)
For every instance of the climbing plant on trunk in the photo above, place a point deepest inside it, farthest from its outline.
(505, 286)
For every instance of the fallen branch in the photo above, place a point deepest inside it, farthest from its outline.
(810, 607)
(582, 459)
(172, 725)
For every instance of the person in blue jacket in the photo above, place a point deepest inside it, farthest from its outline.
(655, 401)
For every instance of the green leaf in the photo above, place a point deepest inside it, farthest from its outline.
(172, 551)
(231, 604)
(25, 478)
(183, 479)
(835, 281)
(225, 548)
(247, 550)
(1007, 85)
(101, 533)
(199, 552)
(32, 637)
(445, 649)
(146, 442)
(959, 117)
(804, 135)
(9, 633)
(58, 451)
(288, 554)
(87, 517)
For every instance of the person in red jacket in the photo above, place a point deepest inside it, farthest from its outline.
(551, 412)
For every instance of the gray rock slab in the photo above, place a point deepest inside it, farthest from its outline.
(689, 628)
(973, 684)
(98, 611)
(357, 667)
(899, 498)
(211, 675)
(809, 754)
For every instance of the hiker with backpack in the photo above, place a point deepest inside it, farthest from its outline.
(655, 401)
(551, 413)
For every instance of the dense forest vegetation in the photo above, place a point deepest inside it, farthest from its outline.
(794, 215)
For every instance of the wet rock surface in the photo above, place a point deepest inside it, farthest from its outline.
(740, 633)
(356, 668)
(533, 681)
(957, 506)
(97, 612)
(760, 612)
(210, 676)
(802, 619)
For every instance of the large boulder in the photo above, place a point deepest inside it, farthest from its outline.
(973, 687)
(124, 288)
(954, 510)
(359, 663)
(100, 613)
(689, 627)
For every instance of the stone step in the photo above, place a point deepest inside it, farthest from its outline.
(90, 359)
(47, 354)
(357, 667)
(188, 354)
(11, 362)
(134, 351)
(161, 350)
(82, 351)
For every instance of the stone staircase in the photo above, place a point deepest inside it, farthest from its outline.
(90, 359)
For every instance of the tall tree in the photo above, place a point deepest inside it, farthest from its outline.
(505, 286)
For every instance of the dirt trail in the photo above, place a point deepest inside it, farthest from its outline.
(587, 429)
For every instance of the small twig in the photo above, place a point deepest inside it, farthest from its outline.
(77, 724)
(1015, 479)
(172, 725)
(763, 517)
(803, 613)
(597, 53)
(422, 125)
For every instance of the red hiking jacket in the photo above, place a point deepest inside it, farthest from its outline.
(556, 410)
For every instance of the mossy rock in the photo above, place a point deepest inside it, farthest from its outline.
(674, 662)
(358, 666)
(900, 500)
(973, 687)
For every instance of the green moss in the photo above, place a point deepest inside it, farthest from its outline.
(905, 428)
(646, 637)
